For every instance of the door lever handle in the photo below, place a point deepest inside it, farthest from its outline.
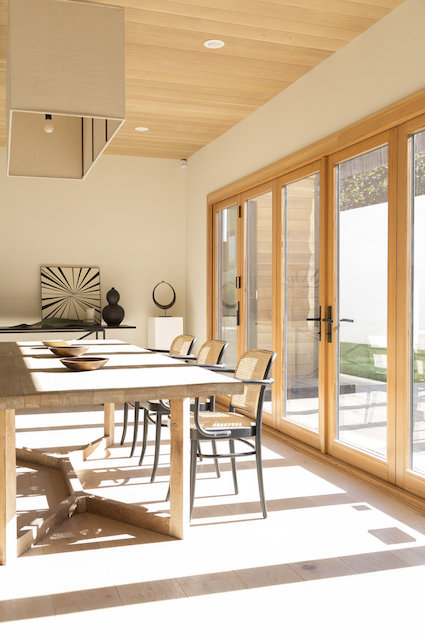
(319, 318)
(329, 321)
(348, 320)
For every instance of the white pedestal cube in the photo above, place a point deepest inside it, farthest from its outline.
(162, 331)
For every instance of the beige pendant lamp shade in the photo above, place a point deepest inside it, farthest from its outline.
(65, 85)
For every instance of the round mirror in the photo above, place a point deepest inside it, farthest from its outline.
(164, 296)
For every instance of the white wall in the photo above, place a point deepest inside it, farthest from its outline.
(383, 65)
(127, 217)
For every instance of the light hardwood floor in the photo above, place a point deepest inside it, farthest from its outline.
(334, 557)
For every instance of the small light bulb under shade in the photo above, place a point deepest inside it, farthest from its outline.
(48, 124)
(214, 44)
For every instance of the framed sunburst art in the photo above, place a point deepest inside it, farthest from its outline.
(70, 292)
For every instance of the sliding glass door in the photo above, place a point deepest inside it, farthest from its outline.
(417, 345)
(258, 261)
(362, 301)
(359, 284)
(325, 265)
(243, 281)
(226, 297)
(302, 311)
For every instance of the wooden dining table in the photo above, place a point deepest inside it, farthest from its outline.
(31, 377)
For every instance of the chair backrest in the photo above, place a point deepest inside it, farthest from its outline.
(253, 364)
(182, 344)
(211, 352)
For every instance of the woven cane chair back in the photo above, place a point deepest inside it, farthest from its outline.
(210, 352)
(181, 344)
(253, 364)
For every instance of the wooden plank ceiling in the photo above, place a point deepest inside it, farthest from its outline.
(188, 95)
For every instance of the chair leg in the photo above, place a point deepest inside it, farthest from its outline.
(258, 459)
(167, 498)
(124, 428)
(136, 427)
(145, 435)
(217, 467)
(233, 461)
(157, 446)
(193, 453)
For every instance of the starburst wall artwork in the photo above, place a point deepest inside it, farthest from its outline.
(68, 292)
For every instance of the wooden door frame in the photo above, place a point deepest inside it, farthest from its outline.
(397, 122)
(407, 478)
(261, 189)
(212, 257)
(315, 439)
(344, 451)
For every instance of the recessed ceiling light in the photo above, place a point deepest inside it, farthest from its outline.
(214, 44)
(141, 128)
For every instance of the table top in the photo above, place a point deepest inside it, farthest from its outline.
(32, 377)
(87, 327)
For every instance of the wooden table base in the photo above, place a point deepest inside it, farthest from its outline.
(8, 541)
(32, 378)
(179, 467)
(177, 523)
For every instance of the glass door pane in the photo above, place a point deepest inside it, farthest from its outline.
(227, 303)
(361, 314)
(301, 317)
(259, 245)
(418, 304)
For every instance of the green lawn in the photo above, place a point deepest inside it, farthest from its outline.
(358, 360)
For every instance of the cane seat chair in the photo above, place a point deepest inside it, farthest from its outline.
(242, 423)
(181, 347)
(210, 356)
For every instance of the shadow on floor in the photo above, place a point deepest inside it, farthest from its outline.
(201, 584)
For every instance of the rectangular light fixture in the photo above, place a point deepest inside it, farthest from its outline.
(66, 72)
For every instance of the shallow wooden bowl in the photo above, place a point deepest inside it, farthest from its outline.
(80, 364)
(69, 351)
(56, 344)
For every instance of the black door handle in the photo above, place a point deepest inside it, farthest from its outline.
(319, 332)
(348, 320)
(329, 321)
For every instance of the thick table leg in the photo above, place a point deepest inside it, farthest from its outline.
(109, 423)
(8, 545)
(179, 467)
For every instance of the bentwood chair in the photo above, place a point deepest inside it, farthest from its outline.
(253, 369)
(210, 356)
(181, 348)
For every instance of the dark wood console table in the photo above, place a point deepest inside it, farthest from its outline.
(87, 328)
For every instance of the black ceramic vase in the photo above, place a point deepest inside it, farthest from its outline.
(113, 314)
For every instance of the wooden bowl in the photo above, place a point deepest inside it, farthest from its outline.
(80, 364)
(69, 351)
(56, 344)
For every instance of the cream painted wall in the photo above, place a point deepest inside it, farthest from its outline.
(383, 65)
(127, 217)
